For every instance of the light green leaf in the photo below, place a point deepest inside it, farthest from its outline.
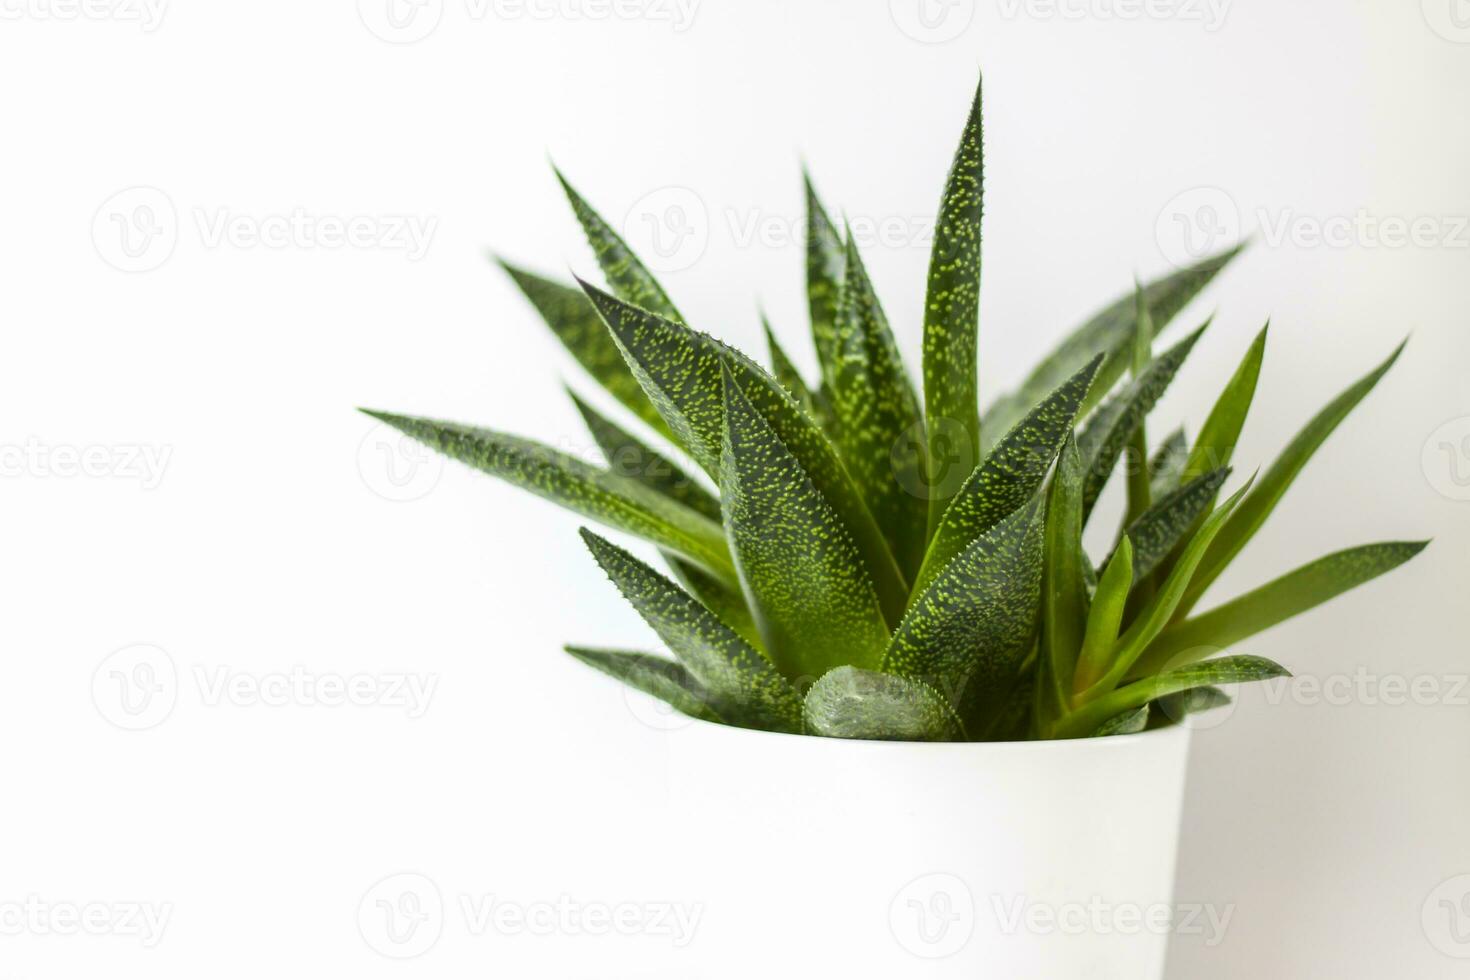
(825, 270)
(1111, 330)
(629, 456)
(802, 573)
(1216, 443)
(1167, 464)
(626, 276)
(1290, 595)
(1063, 593)
(617, 501)
(1173, 519)
(952, 310)
(1108, 432)
(574, 321)
(1274, 483)
(976, 621)
(1128, 723)
(1226, 670)
(681, 368)
(1010, 475)
(852, 703)
(1105, 618)
(664, 679)
(880, 425)
(744, 688)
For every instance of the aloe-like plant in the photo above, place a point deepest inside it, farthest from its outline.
(869, 563)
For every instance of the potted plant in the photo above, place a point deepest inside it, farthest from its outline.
(930, 735)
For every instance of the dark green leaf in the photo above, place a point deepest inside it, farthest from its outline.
(1128, 723)
(664, 679)
(1280, 600)
(1010, 475)
(1226, 670)
(1274, 483)
(1111, 330)
(879, 422)
(1174, 708)
(952, 309)
(852, 703)
(617, 501)
(802, 573)
(825, 262)
(744, 689)
(1173, 519)
(787, 375)
(1140, 496)
(1168, 464)
(724, 600)
(626, 276)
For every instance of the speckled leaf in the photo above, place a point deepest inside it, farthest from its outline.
(1110, 330)
(744, 689)
(1226, 670)
(680, 369)
(878, 417)
(1063, 593)
(1128, 723)
(1010, 475)
(663, 679)
(802, 573)
(825, 261)
(787, 375)
(725, 600)
(1275, 481)
(1172, 520)
(1167, 464)
(1109, 430)
(853, 703)
(574, 321)
(1216, 443)
(1155, 614)
(626, 276)
(617, 501)
(1105, 617)
(976, 621)
(1139, 484)
(952, 309)
(1171, 709)
(1277, 601)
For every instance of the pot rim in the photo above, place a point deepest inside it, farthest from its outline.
(1106, 744)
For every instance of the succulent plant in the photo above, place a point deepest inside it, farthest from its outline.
(866, 563)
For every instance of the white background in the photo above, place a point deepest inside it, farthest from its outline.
(271, 541)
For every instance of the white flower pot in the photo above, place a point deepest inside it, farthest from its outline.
(1012, 861)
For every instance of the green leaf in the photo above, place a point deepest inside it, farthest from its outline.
(786, 373)
(744, 688)
(574, 321)
(1105, 618)
(617, 501)
(852, 703)
(976, 621)
(801, 571)
(626, 276)
(681, 370)
(664, 679)
(1226, 670)
(1010, 475)
(1111, 330)
(1110, 429)
(825, 271)
(724, 600)
(1174, 708)
(1139, 485)
(1173, 519)
(1216, 443)
(1128, 723)
(1063, 593)
(952, 310)
(1274, 483)
(628, 456)
(878, 418)
(1290, 595)
(1167, 464)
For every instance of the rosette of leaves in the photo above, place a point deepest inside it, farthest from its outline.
(855, 556)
